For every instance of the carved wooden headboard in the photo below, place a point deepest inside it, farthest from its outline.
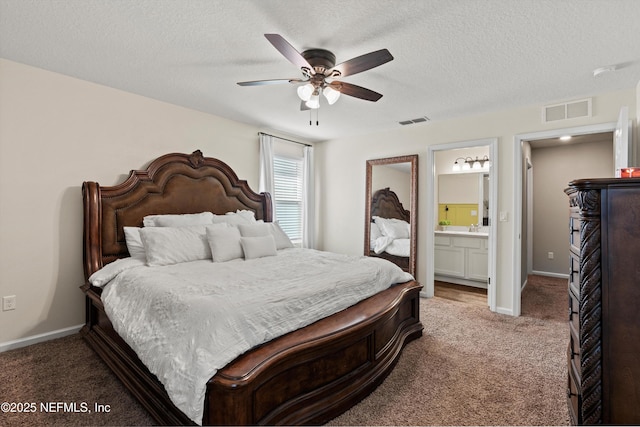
(172, 184)
(385, 204)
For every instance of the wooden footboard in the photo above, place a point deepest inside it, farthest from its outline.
(308, 376)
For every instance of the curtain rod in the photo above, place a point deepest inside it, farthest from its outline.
(285, 139)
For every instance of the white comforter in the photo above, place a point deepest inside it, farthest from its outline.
(186, 321)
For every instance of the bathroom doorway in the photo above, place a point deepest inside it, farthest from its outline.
(447, 161)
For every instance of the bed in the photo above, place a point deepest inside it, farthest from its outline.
(389, 221)
(307, 376)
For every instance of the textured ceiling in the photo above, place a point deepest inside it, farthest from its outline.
(452, 57)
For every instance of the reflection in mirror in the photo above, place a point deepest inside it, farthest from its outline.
(391, 210)
(463, 199)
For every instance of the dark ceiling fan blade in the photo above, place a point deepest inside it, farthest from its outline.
(356, 91)
(363, 62)
(289, 51)
(270, 82)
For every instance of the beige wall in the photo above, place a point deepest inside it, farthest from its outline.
(55, 133)
(341, 164)
(553, 169)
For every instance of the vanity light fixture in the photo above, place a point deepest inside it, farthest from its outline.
(467, 163)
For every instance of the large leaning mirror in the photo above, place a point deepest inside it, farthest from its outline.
(391, 210)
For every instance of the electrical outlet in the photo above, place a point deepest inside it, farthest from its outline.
(550, 255)
(9, 303)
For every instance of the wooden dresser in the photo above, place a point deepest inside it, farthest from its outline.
(604, 301)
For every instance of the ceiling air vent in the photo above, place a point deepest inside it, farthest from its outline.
(567, 110)
(413, 121)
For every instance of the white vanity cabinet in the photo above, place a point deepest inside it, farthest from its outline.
(461, 258)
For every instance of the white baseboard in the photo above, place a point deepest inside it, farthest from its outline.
(34, 339)
(549, 274)
(502, 310)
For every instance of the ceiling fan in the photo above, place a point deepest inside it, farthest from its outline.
(319, 71)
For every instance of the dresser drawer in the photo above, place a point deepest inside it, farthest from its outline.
(573, 354)
(574, 275)
(574, 233)
(574, 398)
(574, 313)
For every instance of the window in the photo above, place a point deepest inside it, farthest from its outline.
(287, 181)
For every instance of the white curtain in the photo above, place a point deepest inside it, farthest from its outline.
(266, 167)
(308, 200)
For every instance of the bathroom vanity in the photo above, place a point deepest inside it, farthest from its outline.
(462, 257)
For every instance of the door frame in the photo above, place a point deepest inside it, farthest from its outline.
(492, 143)
(517, 194)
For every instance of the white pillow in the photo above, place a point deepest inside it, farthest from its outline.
(250, 216)
(394, 228)
(281, 238)
(224, 242)
(111, 270)
(258, 247)
(181, 220)
(134, 243)
(235, 218)
(257, 229)
(374, 233)
(173, 245)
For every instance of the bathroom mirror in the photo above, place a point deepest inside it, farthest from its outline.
(463, 199)
(391, 210)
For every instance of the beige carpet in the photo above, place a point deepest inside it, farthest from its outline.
(471, 367)
(474, 367)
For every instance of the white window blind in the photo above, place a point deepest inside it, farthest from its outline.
(287, 178)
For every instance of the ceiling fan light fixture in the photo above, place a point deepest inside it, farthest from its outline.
(314, 100)
(305, 91)
(331, 94)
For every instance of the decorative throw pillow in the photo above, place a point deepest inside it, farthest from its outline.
(258, 247)
(224, 242)
(256, 229)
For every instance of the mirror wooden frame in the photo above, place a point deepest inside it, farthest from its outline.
(413, 200)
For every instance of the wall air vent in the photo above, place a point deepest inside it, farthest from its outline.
(413, 121)
(567, 110)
